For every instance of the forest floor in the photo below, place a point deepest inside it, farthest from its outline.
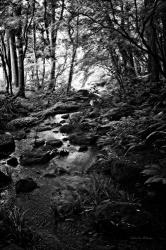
(108, 175)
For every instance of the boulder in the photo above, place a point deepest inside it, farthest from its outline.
(54, 143)
(26, 185)
(83, 92)
(39, 143)
(65, 116)
(5, 180)
(82, 139)
(63, 153)
(19, 135)
(66, 128)
(7, 145)
(43, 128)
(83, 148)
(63, 121)
(40, 156)
(12, 162)
(22, 122)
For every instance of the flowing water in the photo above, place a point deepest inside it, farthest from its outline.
(57, 179)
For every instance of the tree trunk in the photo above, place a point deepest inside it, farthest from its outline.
(71, 70)
(21, 91)
(13, 56)
(153, 63)
(52, 45)
(8, 59)
(35, 57)
(20, 52)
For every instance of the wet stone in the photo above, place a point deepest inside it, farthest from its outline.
(66, 128)
(12, 162)
(44, 128)
(65, 116)
(62, 122)
(25, 185)
(19, 135)
(83, 148)
(54, 143)
(39, 142)
(36, 157)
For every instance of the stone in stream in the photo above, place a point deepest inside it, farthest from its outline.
(65, 116)
(83, 92)
(22, 122)
(63, 153)
(40, 156)
(39, 143)
(63, 121)
(26, 185)
(5, 180)
(83, 148)
(19, 135)
(82, 139)
(66, 128)
(12, 162)
(7, 145)
(43, 128)
(65, 139)
(54, 143)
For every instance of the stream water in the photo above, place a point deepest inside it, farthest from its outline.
(58, 180)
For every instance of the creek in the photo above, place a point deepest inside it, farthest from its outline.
(58, 180)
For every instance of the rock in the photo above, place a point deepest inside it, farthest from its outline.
(19, 135)
(54, 143)
(22, 122)
(63, 153)
(39, 143)
(12, 162)
(7, 145)
(66, 128)
(65, 116)
(5, 180)
(83, 92)
(40, 156)
(65, 139)
(56, 125)
(43, 128)
(63, 121)
(82, 139)
(25, 185)
(83, 149)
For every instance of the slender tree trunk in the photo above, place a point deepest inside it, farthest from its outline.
(20, 52)
(35, 56)
(8, 61)
(21, 91)
(71, 70)
(13, 56)
(52, 45)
